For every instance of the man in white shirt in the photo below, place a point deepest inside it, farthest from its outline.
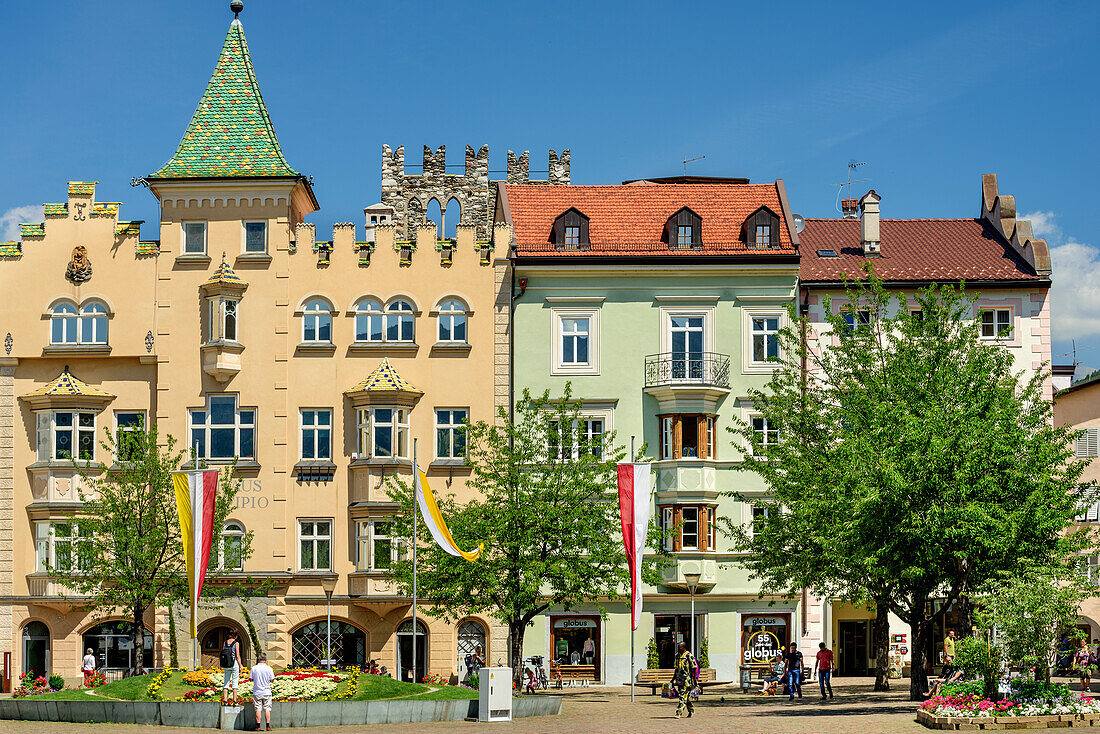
(261, 676)
(88, 667)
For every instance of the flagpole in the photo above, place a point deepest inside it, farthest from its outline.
(636, 560)
(416, 501)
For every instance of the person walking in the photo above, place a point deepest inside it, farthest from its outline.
(261, 676)
(1082, 662)
(685, 680)
(824, 667)
(230, 659)
(87, 666)
(794, 661)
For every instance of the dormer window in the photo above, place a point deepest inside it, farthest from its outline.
(684, 230)
(761, 230)
(571, 230)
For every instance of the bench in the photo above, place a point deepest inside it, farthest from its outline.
(654, 678)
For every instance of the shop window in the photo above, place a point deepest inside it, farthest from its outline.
(576, 641)
(763, 638)
(110, 643)
(669, 630)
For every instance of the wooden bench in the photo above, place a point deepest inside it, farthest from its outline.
(654, 678)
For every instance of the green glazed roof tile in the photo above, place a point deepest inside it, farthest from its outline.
(82, 188)
(105, 209)
(32, 230)
(230, 133)
(128, 228)
(10, 249)
(151, 247)
(56, 210)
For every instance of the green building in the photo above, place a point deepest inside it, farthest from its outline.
(660, 301)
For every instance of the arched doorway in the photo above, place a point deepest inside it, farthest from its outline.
(405, 651)
(471, 636)
(110, 643)
(213, 636)
(309, 643)
(36, 649)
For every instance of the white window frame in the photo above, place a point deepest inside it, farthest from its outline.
(767, 430)
(244, 237)
(226, 536)
(667, 437)
(316, 312)
(683, 526)
(753, 315)
(94, 317)
(69, 321)
(119, 430)
(557, 365)
(47, 541)
(685, 233)
(997, 311)
(668, 312)
(572, 234)
(1087, 445)
(763, 235)
(452, 428)
(667, 529)
(221, 311)
(369, 315)
(588, 415)
(454, 313)
(183, 237)
(395, 316)
(315, 428)
(314, 539)
(238, 425)
(367, 536)
(47, 430)
(765, 512)
(368, 424)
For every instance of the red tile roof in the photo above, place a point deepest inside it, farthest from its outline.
(630, 220)
(912, 249)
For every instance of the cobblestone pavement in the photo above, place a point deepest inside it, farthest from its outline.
(609, 710)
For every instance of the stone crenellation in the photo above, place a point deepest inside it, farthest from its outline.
(409, 194)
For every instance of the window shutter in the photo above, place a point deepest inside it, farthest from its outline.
(701, 437)
(677, 437)
(704, 528)
(677, 538)
(1093, 513)
(1081, 445)
(1093, 448)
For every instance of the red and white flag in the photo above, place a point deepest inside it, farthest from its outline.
(196, 492)
(635, 492)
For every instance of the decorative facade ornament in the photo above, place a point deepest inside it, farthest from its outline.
(80, 267)
(149, 341)
(8, 341)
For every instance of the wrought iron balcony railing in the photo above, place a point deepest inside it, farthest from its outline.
(687, 368)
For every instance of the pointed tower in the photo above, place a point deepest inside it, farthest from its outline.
(229, 167)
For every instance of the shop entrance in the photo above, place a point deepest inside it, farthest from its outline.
(405, 651)
(763, 639)
(575, 642)
(853, 648)
(669, 630)
(36, 649)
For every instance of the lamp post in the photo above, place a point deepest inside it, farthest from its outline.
(692, 580)
(329, 585)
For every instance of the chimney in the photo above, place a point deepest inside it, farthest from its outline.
(1062, 376)
(850, 207)
(868, 223)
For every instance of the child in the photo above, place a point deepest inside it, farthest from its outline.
(529, 682)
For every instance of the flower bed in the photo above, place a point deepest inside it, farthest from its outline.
(289, 685)
(1030, 704)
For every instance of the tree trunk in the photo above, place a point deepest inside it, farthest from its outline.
(881, 640)
(515, 649)
(137, 641)
(919, 629)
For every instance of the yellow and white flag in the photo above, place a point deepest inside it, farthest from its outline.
(434, 520)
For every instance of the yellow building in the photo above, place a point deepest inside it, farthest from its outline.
(318, 363)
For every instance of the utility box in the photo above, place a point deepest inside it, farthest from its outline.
(494, 693)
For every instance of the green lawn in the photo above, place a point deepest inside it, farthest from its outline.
(371, 688)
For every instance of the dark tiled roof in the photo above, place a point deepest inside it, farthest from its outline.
(230, 134)
(912, 249)
(630, 219)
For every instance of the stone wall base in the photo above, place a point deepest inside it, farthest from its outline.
(976, 723)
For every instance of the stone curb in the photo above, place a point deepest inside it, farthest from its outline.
(975, 723)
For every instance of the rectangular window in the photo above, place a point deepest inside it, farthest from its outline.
(376, 548)
(996, 323)
(759, 516)
(666, 437)
(127, 424)
(255, 237)
(315, 544)
(223, 319)
(567, 443)
(686, 340)
(689, 528)
(65, 435)
(683, 235)
(765, 338)
(389, 431)
(573, 236)
(711, 438)
(764, 435)
(1089, 568)
(316, 428)
(862, 318)
(223, 431)
(574, 340)
(667, 527)
(194, 238)
(712, 529)
(57, 547)
(450, 433)
(763, 235)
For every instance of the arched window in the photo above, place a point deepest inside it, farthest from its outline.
(348, 644)
(93, 323)
(63, 324)
(452, 215)
(399, 321)
(317, 321)
(471, 637)
(368, 320)
(110, 643)
(36, 649)
(452, 320)
(231, 548)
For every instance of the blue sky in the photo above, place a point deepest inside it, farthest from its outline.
(930, 95)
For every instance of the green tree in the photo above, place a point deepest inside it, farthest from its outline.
(128, 551)
(912, 462)
(1032, 613)
(980, 656)
(546, 506)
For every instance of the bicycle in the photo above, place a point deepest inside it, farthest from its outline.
(542, 681)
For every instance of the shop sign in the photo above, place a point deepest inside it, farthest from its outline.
(762, 647)
(765, 621)
(574, 623)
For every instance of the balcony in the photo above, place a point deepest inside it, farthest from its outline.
(688, 382)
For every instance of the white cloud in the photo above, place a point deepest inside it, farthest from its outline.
(12, 218)
(1075, 293)
(1043, 224)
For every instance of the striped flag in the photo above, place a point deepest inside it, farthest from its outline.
(635, 490)
(434, 520)
(195, 495)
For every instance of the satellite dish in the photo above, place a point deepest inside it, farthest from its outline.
(799, 223)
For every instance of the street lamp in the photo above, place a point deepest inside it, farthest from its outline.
(692, 580)
(328, 583)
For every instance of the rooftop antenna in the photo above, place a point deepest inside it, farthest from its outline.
(853, 164)
(1073, 344)
(686, 161)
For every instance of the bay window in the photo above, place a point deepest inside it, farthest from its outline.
(688, 436)
(377, 549)
(689, 527)
(57, 547)
(383, 433)
(64, 435)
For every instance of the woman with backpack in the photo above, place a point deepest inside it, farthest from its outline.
(230, 659)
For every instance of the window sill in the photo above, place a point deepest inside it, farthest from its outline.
(192, 259)
(76, 350)
(88, 465)
(244, 466)
(405, 348)
(381, 462)
(311, 471)
(226, 345)
(323, 348)
(253, 258)
(451, 348)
